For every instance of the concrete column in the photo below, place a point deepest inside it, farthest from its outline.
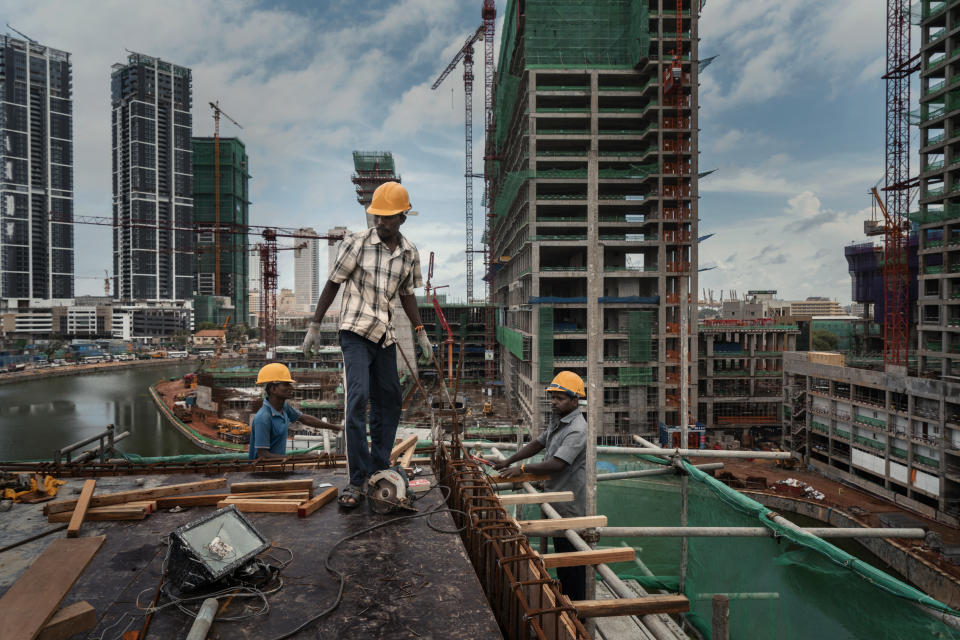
(594, 324)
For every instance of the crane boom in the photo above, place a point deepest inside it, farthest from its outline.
(467, 47)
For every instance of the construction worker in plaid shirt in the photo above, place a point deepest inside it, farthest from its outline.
(376, 267)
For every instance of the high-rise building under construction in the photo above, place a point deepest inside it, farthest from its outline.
(234, 216)
(595, 204)
(306, 270)
(153, 238)
(36, 171)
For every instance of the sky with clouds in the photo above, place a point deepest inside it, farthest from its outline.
(791, 116)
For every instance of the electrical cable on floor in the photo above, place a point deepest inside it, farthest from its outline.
(342, 580)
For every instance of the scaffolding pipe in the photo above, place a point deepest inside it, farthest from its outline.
(756, 595)
(756, 532)
(686, 453)
(652, 622)
(619, 475)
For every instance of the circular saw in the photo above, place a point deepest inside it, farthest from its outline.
(388, 491)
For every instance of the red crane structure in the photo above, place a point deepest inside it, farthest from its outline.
(896, 270)
(489, 16)
(431, 293)
(466, 54)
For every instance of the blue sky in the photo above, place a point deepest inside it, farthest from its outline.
(791, 115)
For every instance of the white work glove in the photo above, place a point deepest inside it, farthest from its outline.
(312, 340)
(427, 356)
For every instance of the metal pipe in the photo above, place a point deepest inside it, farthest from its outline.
(99, 451)
(652, 622)
(201, 625)
(686, 453)
(619, 475)
(754, 532)
(645, 443)
(757, 595)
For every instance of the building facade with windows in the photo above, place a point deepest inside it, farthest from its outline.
(152, 128)
(36, 171)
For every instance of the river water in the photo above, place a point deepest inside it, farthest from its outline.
(39, 416)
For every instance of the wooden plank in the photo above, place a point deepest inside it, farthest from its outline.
(559, 524)
(406, 456)
(632, 606)
(307, 508)
(76, 618)
(80, 511)
(536, 498)
(409, 443)
(211, 499)
(104, 499)
(262, 506)
(111, 513)
(584, 558)
(32, 600)
(270, 495)
(272, 485)
(523, 477)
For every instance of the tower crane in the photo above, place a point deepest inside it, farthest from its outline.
(895, 228)
(217, 112)
(489, 16)
(466, 54)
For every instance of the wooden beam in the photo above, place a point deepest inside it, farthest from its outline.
(29, 604)
(104, 499)
(211, 499)
(262, 506)
(409, 443)
(76, 618)
(101, 514)
(272, 485)
(270, 495)
(80, 511)
(407, 456)
(632, 606)
(307, 508)
(583, 558)
(528, 527)
(536, 498)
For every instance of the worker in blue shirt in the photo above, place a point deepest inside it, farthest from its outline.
(268, 437)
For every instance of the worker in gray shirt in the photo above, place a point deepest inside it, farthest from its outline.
(564, 443)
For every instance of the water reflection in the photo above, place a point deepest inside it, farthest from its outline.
(39, 416)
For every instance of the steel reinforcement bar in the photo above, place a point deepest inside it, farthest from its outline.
(526, 601)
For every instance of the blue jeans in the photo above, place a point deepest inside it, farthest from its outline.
(371, 373)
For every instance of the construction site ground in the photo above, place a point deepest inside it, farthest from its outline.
(844, 498)
(404, 580)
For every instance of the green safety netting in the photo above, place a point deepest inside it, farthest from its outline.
(822, 591)
(512, 340)
(373, 161)
(545, 343)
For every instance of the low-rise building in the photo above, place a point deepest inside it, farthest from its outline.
(894, 435)
(740, 391)
(209, 337)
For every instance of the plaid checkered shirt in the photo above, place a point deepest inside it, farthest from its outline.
(374, 278)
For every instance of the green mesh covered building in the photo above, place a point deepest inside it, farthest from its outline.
(231, 246)
(595, 203)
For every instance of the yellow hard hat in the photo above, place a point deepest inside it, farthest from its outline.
(389, 199)
(568, 382)
(274, 372)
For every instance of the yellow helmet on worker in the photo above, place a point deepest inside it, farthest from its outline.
(389, 199)
(274, 372)
(568, 382)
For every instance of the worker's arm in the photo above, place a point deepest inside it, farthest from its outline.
(327, 297)
(311, 421)
(545, 467)
(409, 303)
(530, 449)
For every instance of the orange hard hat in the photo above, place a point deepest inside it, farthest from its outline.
(568, 382)
(389, 199)
(274, 372)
